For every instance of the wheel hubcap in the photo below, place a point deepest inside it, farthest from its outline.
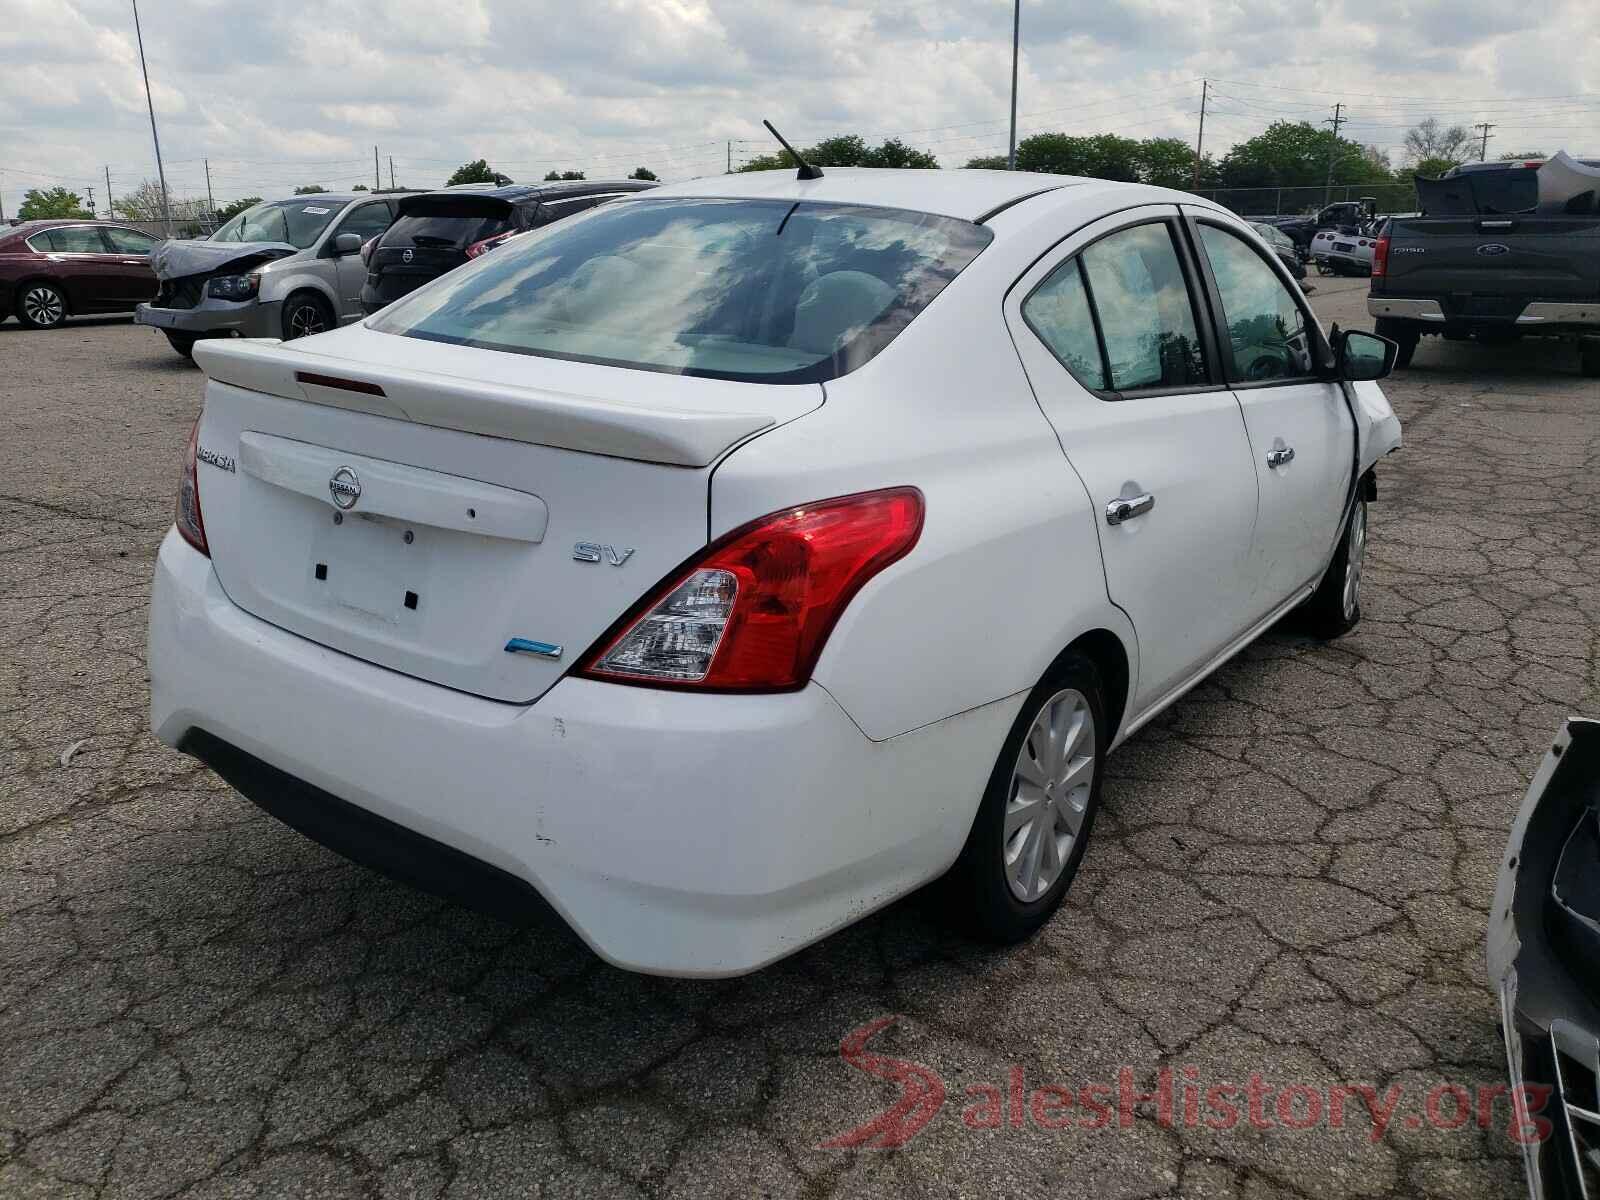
(305, 320)
(1049, 794)
(43, 306)
(1355, 551)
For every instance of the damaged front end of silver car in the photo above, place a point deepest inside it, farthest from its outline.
(1544, 962)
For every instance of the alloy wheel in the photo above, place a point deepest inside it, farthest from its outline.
(44, 306)
(1050, 788)
(1355, 551)
(306, 319)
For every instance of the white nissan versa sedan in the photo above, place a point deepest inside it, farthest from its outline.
(726, 562)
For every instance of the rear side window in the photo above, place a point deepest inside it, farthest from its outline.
(1146, 314)
(760, 290)
(1058, 311)
(76, 239)
(1515, 191)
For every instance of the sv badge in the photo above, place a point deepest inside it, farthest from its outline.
(593, 552)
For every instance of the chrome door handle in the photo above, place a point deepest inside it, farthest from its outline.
(1279, 458)
(1127, 507)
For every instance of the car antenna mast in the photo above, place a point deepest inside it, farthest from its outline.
(806, 171)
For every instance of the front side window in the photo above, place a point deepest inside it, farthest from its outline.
(130, 241)
(1146, 314)
(298, 222)
(368, 221)
(1058, 311)
(771, 291)
(1267, 329)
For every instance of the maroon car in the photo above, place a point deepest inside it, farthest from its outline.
(50, 270)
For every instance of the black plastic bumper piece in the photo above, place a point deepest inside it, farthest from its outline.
(365, 838)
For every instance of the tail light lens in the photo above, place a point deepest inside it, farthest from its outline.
(1380, 257)
(487, 244)
(752, 613)
(187, 515)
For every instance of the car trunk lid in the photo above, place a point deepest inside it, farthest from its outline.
(420, 505)
(1479, 261)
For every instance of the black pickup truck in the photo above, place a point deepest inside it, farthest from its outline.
(1485, 260)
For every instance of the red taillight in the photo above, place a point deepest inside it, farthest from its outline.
(486, 245)
(187, 517)
(1380, 257)
(752, 613)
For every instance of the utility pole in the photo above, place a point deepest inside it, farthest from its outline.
(1199, 140)
(1483, 150)
(730, 156)
(211, 204)
(111, 203)
(161, 173)
(1016, 52)
(391, 172)
(90, 190)
(2, 205)
(377, 180)
(1333, 150)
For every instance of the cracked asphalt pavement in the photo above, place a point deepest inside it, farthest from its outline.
(1290, 879)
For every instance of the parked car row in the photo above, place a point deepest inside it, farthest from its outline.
(283, 269)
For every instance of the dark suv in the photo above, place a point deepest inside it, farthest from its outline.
(438, 231)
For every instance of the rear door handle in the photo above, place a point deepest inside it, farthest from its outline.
(1127, 507)
(1279, 458)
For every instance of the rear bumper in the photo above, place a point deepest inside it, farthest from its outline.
(1537, 316)
(252, 319)
(676, 834)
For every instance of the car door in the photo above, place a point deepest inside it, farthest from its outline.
(367, 221)
(79, 262)
(128, 264)
(1115, 348)
(1300, 428)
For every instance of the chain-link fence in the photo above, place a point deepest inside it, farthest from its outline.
(1287, 201)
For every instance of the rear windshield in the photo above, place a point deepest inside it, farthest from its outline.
(759, 290)
(299, 222)
(454, 233)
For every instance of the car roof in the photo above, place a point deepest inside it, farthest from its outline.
(966, 194)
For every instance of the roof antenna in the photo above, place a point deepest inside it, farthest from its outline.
(806, 171)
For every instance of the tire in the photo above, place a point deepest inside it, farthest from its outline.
(41, 305)
(1589, 358)
(304, 314)
(1335, 607)
(990, 889)
(183, 343)
(1403, 334)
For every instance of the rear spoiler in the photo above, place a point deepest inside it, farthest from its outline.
(522, 414)
(455, 204)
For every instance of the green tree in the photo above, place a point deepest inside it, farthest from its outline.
(476, 171)
(1169, 163)
(38, 203)
(988, 162)
(1100, 156)
(227, 212)
(847, 150)
(643, 173)
(361, 187)
(1295, 154)
(556, 176)
(310, 189)
(1428, 168)
(1524, 156)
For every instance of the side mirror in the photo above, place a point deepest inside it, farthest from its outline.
(1359, 356)
(346, 243)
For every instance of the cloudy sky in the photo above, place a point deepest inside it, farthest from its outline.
(277, 94)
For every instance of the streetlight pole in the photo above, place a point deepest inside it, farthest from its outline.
(161, 173)
(1016, 49)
